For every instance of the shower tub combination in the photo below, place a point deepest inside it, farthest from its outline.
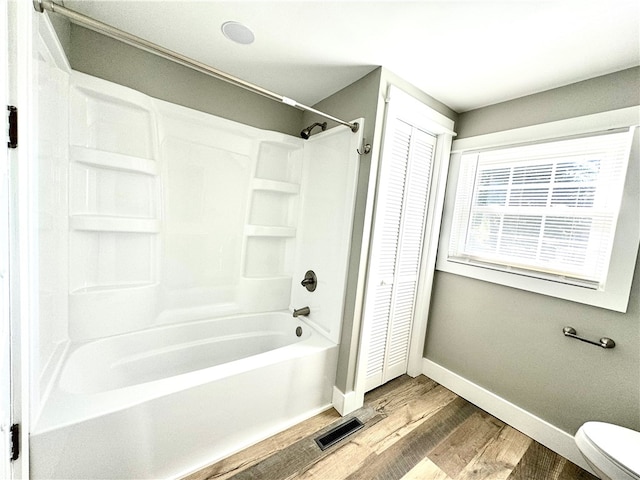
(167, 341)
(159, 402)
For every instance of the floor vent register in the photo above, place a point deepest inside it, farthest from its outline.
(338, 433)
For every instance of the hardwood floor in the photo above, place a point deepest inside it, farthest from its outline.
(413, 429)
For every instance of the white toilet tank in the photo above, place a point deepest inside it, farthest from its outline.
(612, 451)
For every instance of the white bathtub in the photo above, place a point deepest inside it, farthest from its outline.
(163, 402)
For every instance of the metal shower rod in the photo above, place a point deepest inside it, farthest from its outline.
(93, 24)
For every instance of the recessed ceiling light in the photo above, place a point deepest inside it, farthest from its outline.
(238, 33)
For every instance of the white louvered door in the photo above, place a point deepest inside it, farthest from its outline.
(398, 234)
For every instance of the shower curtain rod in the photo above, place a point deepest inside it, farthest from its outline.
(93, 24)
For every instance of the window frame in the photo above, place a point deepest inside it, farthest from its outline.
(615, 295)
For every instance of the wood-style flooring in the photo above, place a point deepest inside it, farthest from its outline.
(414, 429)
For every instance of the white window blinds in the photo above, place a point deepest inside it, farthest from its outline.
(547, 210)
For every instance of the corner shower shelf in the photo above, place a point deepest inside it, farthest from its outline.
(98, 223)
(113, 161)
(262, 231)
(272, 277)
(276, 186)
(112, 288)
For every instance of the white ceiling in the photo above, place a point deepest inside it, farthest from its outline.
(467, 54)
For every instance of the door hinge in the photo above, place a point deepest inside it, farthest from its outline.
(15, 441)
(13, 126)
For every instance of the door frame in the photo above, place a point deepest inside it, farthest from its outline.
(22, 220)
(6, 419)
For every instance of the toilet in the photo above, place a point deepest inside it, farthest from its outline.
(612, 451)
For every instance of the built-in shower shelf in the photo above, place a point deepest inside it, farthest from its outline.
(112, 287)
(265, 231)
(276, 186)
(266, 278)
(99, 223)
(113, 161)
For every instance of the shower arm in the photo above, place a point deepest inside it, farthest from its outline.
(133, 40)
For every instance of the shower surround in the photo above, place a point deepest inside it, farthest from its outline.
(183, 243)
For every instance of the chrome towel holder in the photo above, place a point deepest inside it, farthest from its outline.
(604, 341)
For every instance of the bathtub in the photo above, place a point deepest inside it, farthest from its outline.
(163, 402)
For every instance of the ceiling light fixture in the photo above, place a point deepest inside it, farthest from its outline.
(238, 33)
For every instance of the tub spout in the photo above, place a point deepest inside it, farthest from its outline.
(301, 311)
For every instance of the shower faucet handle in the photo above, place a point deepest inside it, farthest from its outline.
(310, 281)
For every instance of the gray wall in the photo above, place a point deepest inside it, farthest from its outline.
(95, 54)
(608, 92)
(510, 341)
(62, 26)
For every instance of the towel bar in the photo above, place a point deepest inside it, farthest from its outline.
(604, 341)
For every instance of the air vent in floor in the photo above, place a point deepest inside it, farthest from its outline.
(336, 434)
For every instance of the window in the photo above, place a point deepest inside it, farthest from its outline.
(545, 213)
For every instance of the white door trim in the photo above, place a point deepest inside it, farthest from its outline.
(22, 22)
(5, 330)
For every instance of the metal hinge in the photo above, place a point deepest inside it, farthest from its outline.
(15, 441)
(13, 126)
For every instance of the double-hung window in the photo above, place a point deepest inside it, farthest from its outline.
(545, 216)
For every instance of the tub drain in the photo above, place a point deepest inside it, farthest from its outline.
(299, 331)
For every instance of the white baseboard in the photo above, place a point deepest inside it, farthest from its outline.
(541, 431)
(346, 403)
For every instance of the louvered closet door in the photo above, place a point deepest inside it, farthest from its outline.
(397, 246)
